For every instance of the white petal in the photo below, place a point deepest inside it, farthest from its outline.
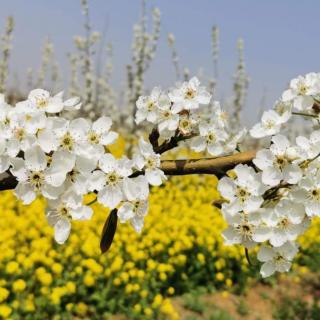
(267, 269)
(35, 159)
(62, 230)
(82, 213)
(25, 192)
(108, 163)
(110, 196)
(102, 125)
(125, 212)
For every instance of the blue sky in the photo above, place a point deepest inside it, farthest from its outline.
(281, 38)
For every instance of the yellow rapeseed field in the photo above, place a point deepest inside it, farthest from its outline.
(180, 247)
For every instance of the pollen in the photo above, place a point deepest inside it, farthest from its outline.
(93, 137)
(190, 94)
(67, 142)
(36, 179)
(112, 178)
(41, 102)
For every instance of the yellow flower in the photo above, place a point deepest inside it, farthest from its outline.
(229, 283)
(148, 312)
(89, 280)
(12, 267)
(69, 306)
(116, 281)
(143, 293)
(71, 287)
(57, 268)
(19, 285)
(170, 291)
(81, 308)
(201, 258)
(168, 310)
(45, 278)
(5, 311)
(137, 308)
(4, 293)
(220, 276)
(163, 276)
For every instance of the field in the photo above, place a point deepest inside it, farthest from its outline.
(171, 271)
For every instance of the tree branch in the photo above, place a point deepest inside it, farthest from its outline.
(7, 181)
(215, 166)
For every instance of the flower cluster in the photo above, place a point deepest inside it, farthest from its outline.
(179, 113)
(270, 203)
(63, 160)
(302, 98)
(273, 205)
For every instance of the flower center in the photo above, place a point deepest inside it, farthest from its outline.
(73, 175)
(242, 194)
(269, 124)
(189, 94)
(302, 89)
(64, 212)
(211, 137)
(284, 223)
(36, 179)
(20, 133)
(281, 162)
(41, 102)
(151, 163)
(150, 106)
(245, 229)
(166, 114)
(67, 142)
(93, 137)
(315, 194)
(112, 178)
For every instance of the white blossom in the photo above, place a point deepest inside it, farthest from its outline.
(279, 163)
(149, 161)
(276, 259)
(190, 95)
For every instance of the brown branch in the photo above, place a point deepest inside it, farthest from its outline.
(216, 166)
(7, 181)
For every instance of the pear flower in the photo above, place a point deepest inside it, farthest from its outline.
(301, 91)
(190, 95)
(308, 193)
(147, 106)
(148, 160)
(168, 119)
(276, 259)
(135, 208)
(245, 228)
(286, 222)
(32, 176)
(60, 212)
(244, 192)
(40, 99)
(270, 124)
(98, 135)
(108, 181)
(211, 138)
(309, 148)
(61, 134)
(279, 163)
